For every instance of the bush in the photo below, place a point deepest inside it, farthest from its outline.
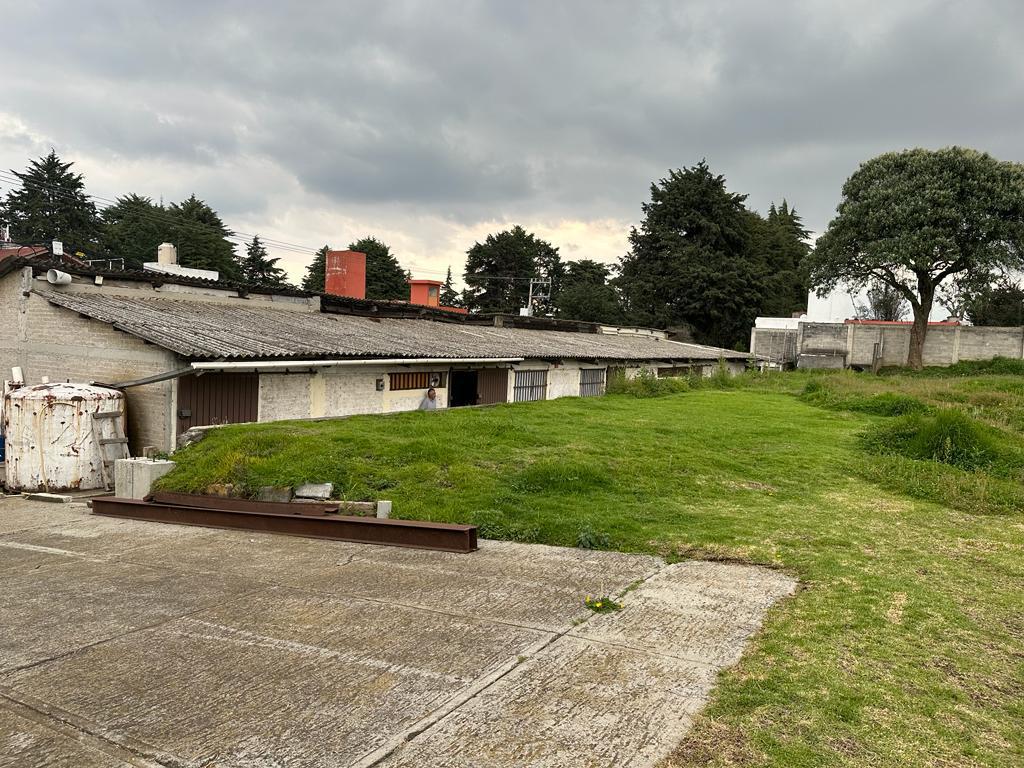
(647, 384)
(588, 538)
(948, 436)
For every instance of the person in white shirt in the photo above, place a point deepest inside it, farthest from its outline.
(429, 402)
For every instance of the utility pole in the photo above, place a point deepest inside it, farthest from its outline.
(540, 295)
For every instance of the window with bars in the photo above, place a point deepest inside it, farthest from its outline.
(416, 380)
(530, 385)
(591, 382)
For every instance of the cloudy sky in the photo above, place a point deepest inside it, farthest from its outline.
(429, 125)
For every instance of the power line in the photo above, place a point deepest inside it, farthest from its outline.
(164, 217)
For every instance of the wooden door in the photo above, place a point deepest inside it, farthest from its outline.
(492, 386)
(217, 398)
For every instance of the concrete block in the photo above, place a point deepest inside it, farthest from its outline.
(276, 493)
(134, 478)
(315, 491)
(384, 509)
(55, 498)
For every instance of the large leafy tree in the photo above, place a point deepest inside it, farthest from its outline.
(498, 270)
(133, 229)
(313, 280)
(692, 260)
(259, 269)
(918, 218)
(51, 204)
(385, 278)
(202, 238)
(587, 294)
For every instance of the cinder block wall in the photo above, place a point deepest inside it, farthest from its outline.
(50, 341)
(822, 344)
(779, 344)
(986, 343)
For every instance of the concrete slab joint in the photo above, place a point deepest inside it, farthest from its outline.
(147, 646)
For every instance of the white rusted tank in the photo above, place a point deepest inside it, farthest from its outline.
(52, 438)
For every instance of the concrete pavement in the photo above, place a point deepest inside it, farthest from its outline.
(127, 643)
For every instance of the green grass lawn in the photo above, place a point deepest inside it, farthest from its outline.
(905, 645)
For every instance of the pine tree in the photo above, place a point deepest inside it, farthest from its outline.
(202, 239)
(316, 272)
(786, 284)
(133, 229)
(449, 296)
(385, 278)
(259, 269)
(692, 262)
(51, 204)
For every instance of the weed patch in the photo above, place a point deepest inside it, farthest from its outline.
(602, 604)
(647, 384)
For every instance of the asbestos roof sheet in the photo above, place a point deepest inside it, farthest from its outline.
(254, 331)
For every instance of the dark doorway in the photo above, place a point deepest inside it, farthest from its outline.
(217, 398)
(462, 389)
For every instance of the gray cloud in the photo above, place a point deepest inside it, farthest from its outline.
(500, 111)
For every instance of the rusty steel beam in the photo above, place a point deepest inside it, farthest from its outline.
(243, 505)
(416, 534)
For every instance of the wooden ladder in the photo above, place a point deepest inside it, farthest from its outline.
(119, 439)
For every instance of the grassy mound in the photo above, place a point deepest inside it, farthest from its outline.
(819, 392)
(947, 436)
(904, 647)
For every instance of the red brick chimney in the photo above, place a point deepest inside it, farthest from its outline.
(345, 274)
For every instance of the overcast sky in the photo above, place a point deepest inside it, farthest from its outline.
(429, 125)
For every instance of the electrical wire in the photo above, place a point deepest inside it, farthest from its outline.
(166, 218)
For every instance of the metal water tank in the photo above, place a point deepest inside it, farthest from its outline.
(52, 438)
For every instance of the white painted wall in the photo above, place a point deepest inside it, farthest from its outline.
(343, 391)
(340, 391)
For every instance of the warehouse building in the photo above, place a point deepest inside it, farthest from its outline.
(191, 352)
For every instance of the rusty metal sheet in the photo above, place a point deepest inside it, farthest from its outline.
(416, 534)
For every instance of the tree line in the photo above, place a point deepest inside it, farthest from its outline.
(50, 203)
(914, 228)
(700, 262)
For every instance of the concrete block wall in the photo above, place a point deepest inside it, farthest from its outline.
(49, 341)
(778, 344)
(285, 396)
(824, 345)
(991, 342)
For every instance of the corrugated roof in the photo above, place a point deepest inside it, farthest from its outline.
(251, 331)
